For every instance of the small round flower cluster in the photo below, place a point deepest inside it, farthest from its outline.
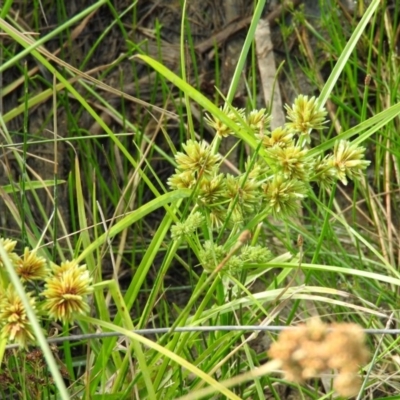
(219, 195)
(211, 255)
(187, 227)
(66, 288)
(279, 176)
(275, 178)
(256, 120)
(196, 162)
(310, 350)
(304, 116)
(291, 165)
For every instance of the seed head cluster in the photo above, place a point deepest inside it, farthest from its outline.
(211, 255)
(256, 120)
(31, 267)
(222, 129)
(197, 161)
(310, 350)
(274, 179)
(14, 322)
(9, 246)
(283, 195)
(278, 176)
(181, 229)
(279, 137)
(348, 161)
(66, 291)
(305, 115)
(60, 292)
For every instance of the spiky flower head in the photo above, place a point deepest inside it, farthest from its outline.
(192, 223)
(348, 159)
(305, 114)
(198, 159)
(234, 264)
(67, 290)
(221, 129)
(211, 255)
(58, 270)
(280, 137)
(236, 214)
(182, 180)
(259, 120)
(14, 322)
(255, 254)
(9, 246)
(212, 190)
(31, 267)
(325, 174)
(291, 162)
(283, 196)
(245, 191)
(218, 218)
(257, 169)
(309, 350)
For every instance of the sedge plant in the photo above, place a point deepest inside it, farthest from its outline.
(221, 218)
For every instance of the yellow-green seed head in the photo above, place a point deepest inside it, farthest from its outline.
(305, 115)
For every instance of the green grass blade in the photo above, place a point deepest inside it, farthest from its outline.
(341, 62)
(166, 353)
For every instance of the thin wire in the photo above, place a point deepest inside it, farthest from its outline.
(218, 328)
